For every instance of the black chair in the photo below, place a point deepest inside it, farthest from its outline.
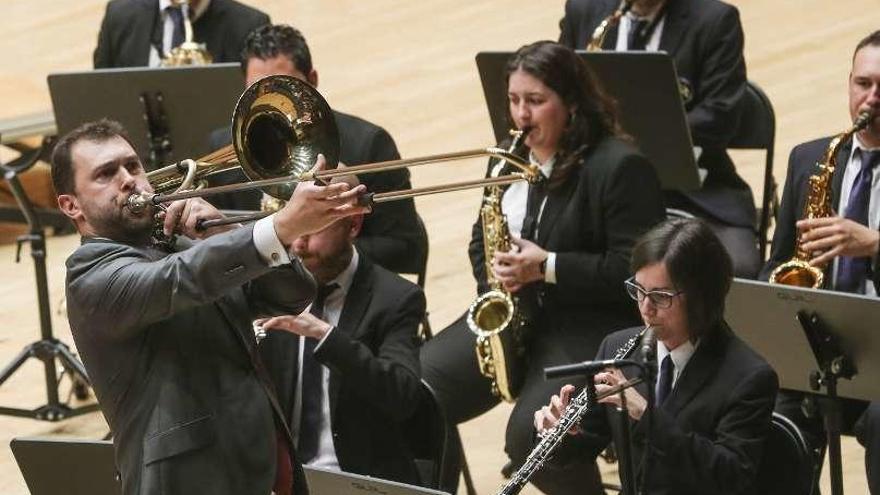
(757, 130)
(788, 465)
(429, 441)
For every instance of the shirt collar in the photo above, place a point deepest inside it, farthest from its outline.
(194, 12)
(346, 277)
(680, 355)
(546, 168)
(857, 145)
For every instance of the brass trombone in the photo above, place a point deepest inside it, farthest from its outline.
(279, 127)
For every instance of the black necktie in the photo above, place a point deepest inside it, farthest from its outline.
(537, 193)
(852, 272)
(637, 39)
(664, 381)
(177, 31)
(311, 415)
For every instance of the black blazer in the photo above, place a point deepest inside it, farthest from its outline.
(374, 373)
(131, 27)
(591, 221)
(392, 235)
(705, 40)
(169, 347)
(801, 165)
(709, 435)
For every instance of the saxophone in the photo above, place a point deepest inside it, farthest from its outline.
(798, 271)
(576, 409)
(189, 52)
(598, 38)
(494, 316)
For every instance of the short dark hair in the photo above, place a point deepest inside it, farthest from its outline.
(62, 160)
(697, 263)
(562, 70)
(272, 40)
(872, 39)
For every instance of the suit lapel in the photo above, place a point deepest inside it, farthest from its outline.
(357, 300)
(700, 369)
(839, 171)
(145, 34)
(556, 201)
(674, 25)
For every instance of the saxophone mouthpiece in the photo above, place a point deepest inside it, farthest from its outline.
(865, 117)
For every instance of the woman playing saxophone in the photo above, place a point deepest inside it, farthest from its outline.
(571, 237)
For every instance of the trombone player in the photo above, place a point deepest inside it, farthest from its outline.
(167, 338)
(844, 245)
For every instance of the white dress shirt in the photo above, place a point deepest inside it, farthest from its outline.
(849, 179)
(624, 27)
(326, 455)
(513, 205)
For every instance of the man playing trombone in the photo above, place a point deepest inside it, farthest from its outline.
(166, 336)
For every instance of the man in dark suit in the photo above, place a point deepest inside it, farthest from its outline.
(393, 235)
(347, 372)
(137, 33)
(705, 40)
(714, 395)
(166, 336)
(844, 246)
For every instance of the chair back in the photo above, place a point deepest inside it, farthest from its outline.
(787, 466)
(429, 439)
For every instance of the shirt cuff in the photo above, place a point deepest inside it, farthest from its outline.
(550, 269)
(267, 243)
(318, 345)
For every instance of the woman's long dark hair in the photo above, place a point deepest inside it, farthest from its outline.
(593, 113)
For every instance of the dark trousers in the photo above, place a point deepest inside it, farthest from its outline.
(859, 418)
(449, 365)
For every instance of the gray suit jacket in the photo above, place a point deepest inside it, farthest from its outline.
(169, 347)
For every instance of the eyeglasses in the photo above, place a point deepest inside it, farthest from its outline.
(659, 298)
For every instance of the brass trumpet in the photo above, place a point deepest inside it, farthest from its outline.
(279, 127)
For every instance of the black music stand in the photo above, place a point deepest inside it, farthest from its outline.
(813, 338)
(51, 466)
(168, 112)
(48, 349)
(646, 88)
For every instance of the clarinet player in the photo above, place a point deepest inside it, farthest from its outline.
(714, 395)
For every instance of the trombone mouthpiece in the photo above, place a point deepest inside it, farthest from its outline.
(138, 202)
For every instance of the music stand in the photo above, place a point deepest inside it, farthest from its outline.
(812, 338)
(168, 112)
(74, 467)
(48, 349)
(339, 483)
(645, 86)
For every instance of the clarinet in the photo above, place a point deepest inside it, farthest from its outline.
(576, 409)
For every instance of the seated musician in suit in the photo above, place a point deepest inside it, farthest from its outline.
(392, 235)
(705, 40)
(845, 245)
(347, 371)
(714, 394)
(165, 331)
(139, 33)
(572, 234)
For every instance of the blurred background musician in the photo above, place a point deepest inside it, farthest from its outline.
(392, 235)
(572, 245)
(714, 394)
(347, 371)
(845, 245)
(705, 40)
(138, 33)
(173, 359)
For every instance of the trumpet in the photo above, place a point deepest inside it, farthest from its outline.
(279, 126)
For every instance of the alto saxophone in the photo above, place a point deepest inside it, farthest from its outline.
(598, 38)
(580, 405)
(798, 271)
(495, 316)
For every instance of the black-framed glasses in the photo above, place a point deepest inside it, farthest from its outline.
(659, 298)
